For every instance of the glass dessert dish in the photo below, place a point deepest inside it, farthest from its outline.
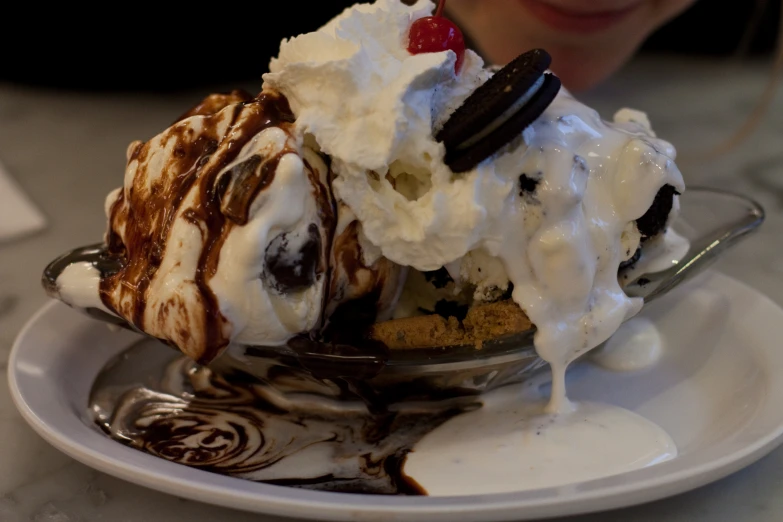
(711, 220)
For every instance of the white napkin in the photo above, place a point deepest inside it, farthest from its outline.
(18, 215)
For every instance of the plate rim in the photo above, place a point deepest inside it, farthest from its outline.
(270, 499)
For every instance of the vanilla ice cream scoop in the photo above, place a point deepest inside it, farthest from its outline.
(221, 231)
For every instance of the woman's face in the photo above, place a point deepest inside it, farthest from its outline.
(588, 39)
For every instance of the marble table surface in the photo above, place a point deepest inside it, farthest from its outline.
(67, 151)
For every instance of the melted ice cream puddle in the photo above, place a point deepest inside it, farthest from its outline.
(636, 345)
(520, 441)
(514, 445)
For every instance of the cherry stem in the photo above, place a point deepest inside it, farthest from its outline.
(439, 10)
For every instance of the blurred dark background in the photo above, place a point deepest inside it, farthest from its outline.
(719, 28)
(152, 48)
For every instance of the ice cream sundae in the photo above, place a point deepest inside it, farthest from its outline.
(382, 192)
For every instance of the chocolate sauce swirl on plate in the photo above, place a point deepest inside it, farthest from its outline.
(282, 427)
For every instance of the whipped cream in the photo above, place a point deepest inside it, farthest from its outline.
(374, 108)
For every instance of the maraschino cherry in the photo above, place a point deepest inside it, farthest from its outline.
(433, 34)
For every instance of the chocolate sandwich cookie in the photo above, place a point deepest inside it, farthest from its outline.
(499, 110)
(653, 222)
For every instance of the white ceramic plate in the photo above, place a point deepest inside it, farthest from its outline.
(717, 391)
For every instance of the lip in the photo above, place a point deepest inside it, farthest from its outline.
(577, 21)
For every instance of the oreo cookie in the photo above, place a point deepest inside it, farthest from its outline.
(291, 263)
(654, 220)
(499, 110)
